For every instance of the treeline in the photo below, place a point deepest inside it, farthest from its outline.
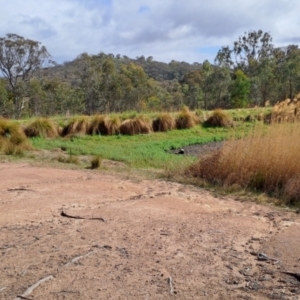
(250, 72)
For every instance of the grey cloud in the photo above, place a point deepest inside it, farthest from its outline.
(165, 29)
(39, 26)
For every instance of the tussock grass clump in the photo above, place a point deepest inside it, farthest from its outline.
(70, 159)
(202, 115)
(98, 125)
(218, 118)
(42, 127)
(96, 162)
(186, 119)
(137, 125)
(78, 125)
(113, 125)
(105, 125)
(267, 160)
(163, 122)
(12, 138)
(285, 111)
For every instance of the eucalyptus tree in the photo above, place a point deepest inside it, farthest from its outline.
(247, 52)
(240, 90)
(219, 82)
(288, 70)
(192, 84)
(19, 59)
(253, 54)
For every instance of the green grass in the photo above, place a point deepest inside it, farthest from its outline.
(137, 151)
(242, 113)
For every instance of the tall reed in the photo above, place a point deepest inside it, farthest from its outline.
(268, 159)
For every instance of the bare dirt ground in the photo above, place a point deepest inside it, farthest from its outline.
(138, 239)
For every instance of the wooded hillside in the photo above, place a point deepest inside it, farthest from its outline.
(250, 72)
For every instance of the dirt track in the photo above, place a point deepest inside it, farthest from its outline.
(158, 240)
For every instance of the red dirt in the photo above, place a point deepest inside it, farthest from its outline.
(160, 240)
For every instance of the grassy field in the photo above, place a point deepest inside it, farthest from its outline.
(137, 151)
(255, 157)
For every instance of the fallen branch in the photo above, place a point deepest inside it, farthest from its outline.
(264, 257)
(78, 258)
(171, 285)
(25, 298)
(2, 289)
(31, 288)
(20, 189)
(64, 214)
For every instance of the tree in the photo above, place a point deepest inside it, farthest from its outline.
(250, 50)
(253, 54)
(206, 75)
(135, 86)
(240, 89)
(219, 82)
(149, 58)
(6, 106)
(192, 83)
(288, 70)
(19, 58)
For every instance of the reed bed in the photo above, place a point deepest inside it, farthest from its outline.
(267, 160)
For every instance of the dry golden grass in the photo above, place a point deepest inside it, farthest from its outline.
(164, 122)
(186, 119)
(42, 127)
(267, 160)
(98, 125)
(113, 125)
(106, 125)
(137, 125)
(218, 118)
(12, 138)
(78, 125)
(285, 111)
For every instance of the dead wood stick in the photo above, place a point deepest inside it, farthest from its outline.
(64, 214)
(170, 282)
(264, 257)
(78, 258)
(25, 298)
(2, 289)
(20, 189)
(31, 288)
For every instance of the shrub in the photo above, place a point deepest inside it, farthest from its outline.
(186, 119)
(42, 127)
(163, 122)
(218, 118)
(137, 125)
(78, 125)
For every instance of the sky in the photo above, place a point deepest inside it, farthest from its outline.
(181, 30)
